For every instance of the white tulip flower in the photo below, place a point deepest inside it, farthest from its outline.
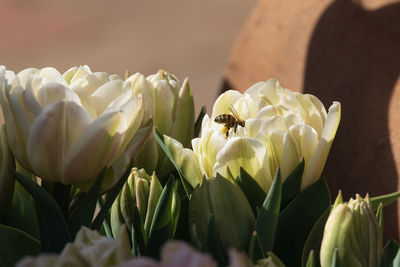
(280, 128)
(68, 127)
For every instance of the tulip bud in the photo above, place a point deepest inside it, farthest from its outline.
(141, 191)
(6, 178)
(353, 230)
(172, 112)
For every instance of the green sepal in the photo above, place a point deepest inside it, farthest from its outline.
(297, 219)
(385, 199)
(83, 213)
(199, 120)
(291, 186)
(314, 239)
(139, 238)
(111, 196)
(267, 219)
(379, 216)
(54, 232)
(16, 244)
(391, 254)
(186, 185)
(253, 191)
(335, 258)
(256, 250)
(213, 243)
(165, 218)
(311, 262)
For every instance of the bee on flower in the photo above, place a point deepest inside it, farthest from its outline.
(278, 128)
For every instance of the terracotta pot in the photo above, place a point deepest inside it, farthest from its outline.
(337, 50)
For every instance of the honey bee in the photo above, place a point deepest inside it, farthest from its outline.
(230, 120)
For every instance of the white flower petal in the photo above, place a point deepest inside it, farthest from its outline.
(224, 101)
(247, 153)
(52, 134)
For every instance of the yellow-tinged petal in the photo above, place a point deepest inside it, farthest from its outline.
(224, 101)
(247, 153)
(94, 149)
(185, 159)
(317, 161)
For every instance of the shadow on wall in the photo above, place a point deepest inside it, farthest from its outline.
(354, 56)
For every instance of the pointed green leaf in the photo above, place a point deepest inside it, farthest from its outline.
(213, 244)
(266, 222)
(311, 262)
(83, 214)
(225, 201)
(390, 253)
(22, 213)
(139, 238)
(314, 239)
(186, 185)
(338, 200)
(16, 244)
(106, 223)
(385, 199)
(379, 216)
(54, 232)
(297, 219)
(291, 186)
(165, 218)
(254, 193)
(335, 259)
(256, 250)
(197, 124)
(111, 196)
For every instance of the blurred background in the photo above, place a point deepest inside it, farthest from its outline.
(188, 38)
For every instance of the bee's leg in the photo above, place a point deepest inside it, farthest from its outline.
(225, 130)
(235, 128)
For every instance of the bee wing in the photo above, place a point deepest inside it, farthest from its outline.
(234, 112)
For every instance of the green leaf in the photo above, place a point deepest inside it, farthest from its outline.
(197, 124)
(291, 186)
(106, 223)
(139, 238)
(253, 191)
(314, 239)
(22, 213)
(233, 216)
(84, 212)
(335, 259)
(256, 250)
(390, 253)
(266, 222)
(213, 244)
(297, 219)
(379, 216)
(186, 185)
(54, 232)
(311, 260)
(385, 199)
(111, 196)
(16, 244)
(165, 218)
